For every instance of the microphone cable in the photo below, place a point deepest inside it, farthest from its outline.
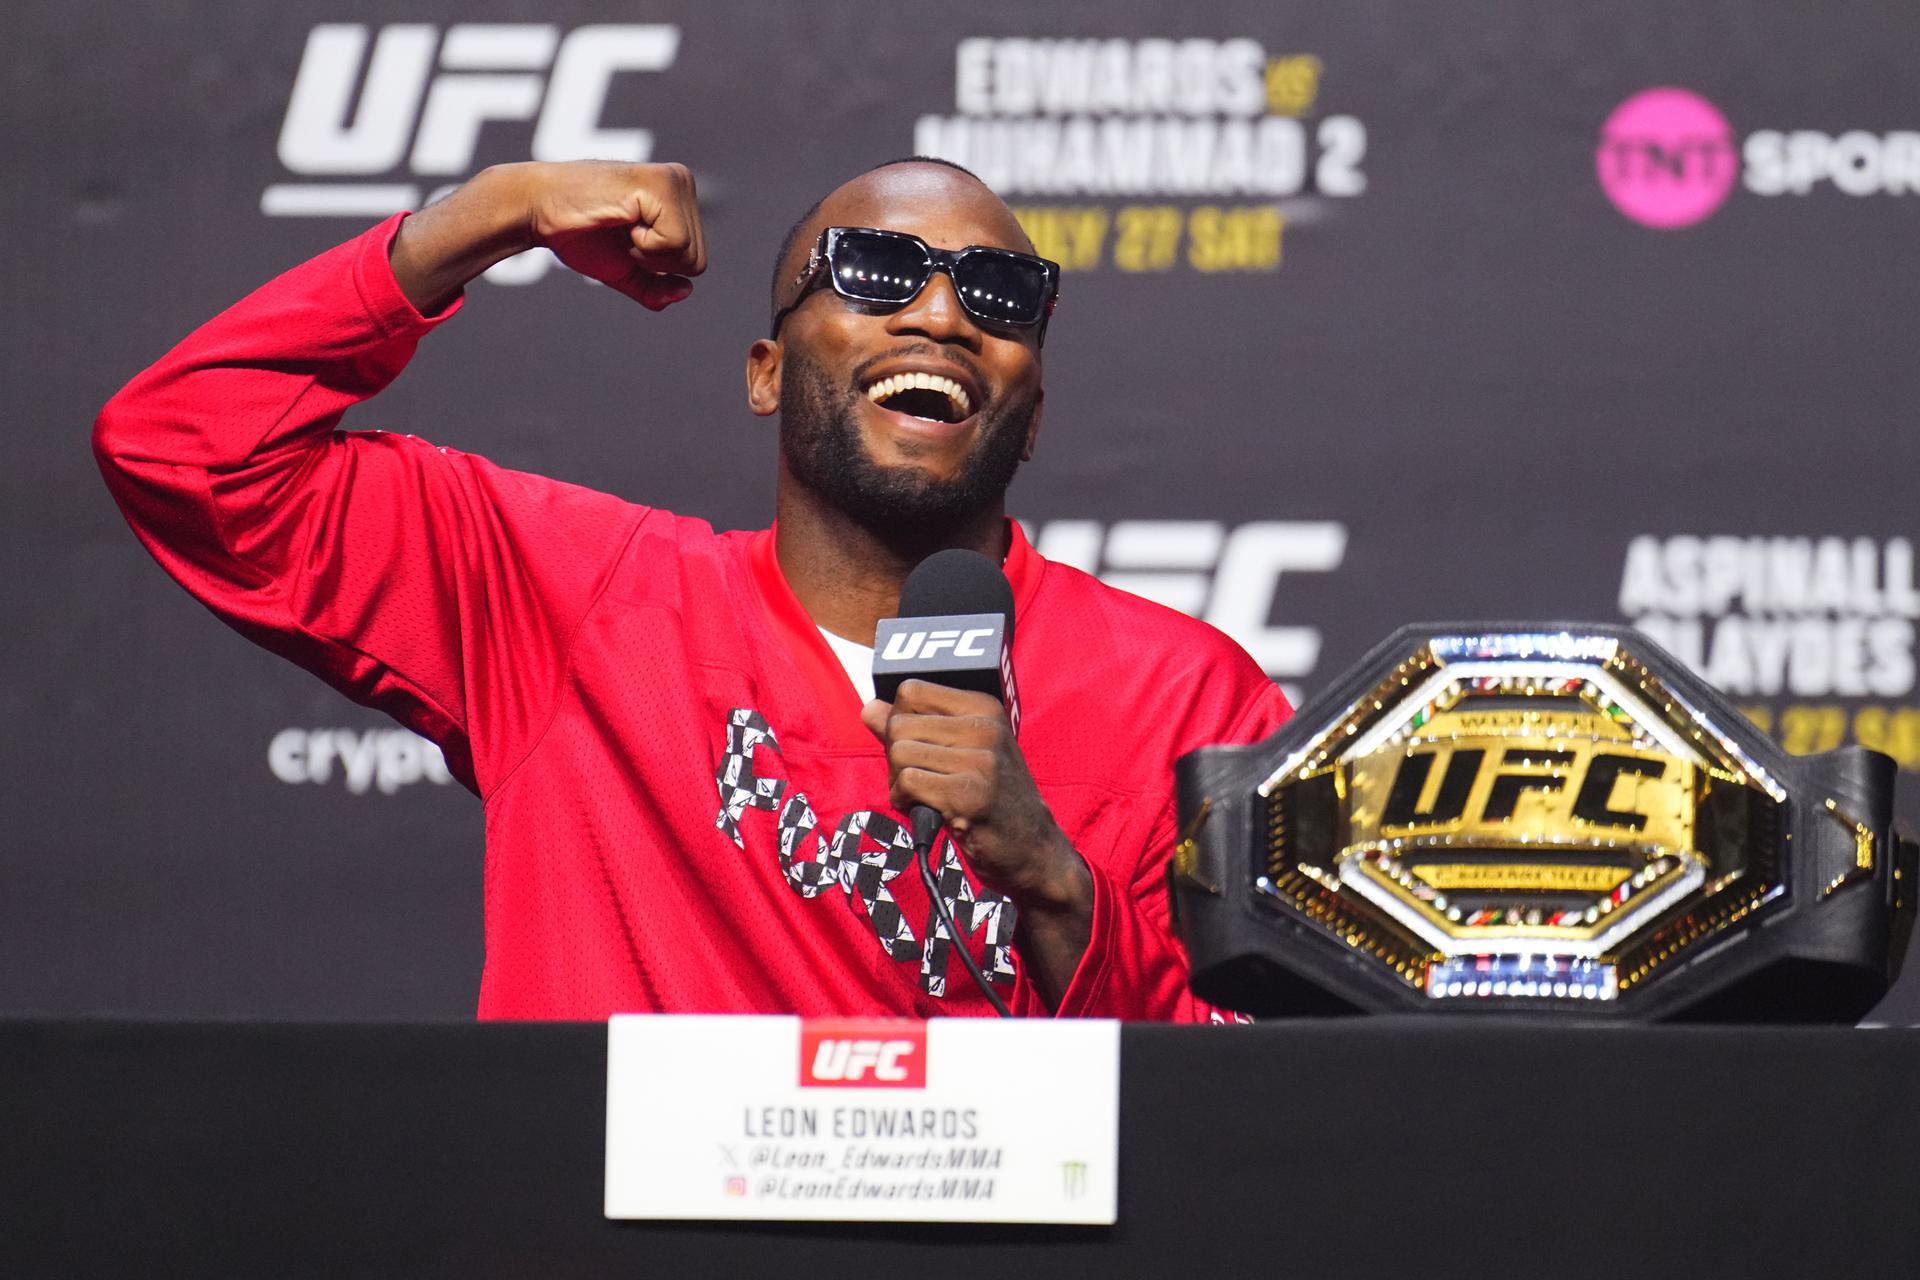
(923, 856)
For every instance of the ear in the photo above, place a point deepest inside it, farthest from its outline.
(763, 377)
(1033, 428)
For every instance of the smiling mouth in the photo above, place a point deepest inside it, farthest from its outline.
(927, 396)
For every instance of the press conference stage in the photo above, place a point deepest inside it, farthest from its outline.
(1375, 324)
(1377, 1147)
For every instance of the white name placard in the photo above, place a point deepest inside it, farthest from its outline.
(951, 1120)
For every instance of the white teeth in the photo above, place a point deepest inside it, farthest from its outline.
(954, 392)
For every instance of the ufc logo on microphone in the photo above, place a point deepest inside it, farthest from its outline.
(866, 1054)
(970, 643)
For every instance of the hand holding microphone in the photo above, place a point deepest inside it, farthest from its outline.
(952, 753)
(947, 711)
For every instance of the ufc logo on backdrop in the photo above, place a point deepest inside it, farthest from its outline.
(407, 98)
(864, 1054)
(1229, 578)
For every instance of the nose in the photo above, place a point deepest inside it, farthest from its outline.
(935, 312)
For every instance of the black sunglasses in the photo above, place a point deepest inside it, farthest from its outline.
(888, 269)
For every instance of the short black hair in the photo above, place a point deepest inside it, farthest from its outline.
(800, 223)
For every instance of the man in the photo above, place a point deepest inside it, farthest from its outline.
(687, 806)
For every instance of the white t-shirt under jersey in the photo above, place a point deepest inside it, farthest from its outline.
(858, 661)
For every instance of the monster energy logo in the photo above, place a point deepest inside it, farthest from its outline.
(1073, 1178)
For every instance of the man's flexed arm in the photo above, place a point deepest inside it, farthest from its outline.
(633, 227)
(415, 578)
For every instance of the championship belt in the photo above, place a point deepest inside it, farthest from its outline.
(1537, 818)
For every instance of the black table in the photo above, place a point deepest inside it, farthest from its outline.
(1385, 1147)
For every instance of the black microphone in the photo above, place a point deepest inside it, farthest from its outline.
(955, 629)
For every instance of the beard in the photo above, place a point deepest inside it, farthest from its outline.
(820, 438)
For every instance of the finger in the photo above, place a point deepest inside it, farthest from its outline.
(874, 715)
(920, 786)
(664, 235)
(665, 252)
(923, 696)
(691, 200)
(949, 731)
(933, 758)
(960, 797)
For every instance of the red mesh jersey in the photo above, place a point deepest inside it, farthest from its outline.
(683, 809)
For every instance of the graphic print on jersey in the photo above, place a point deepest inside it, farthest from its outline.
(866, 850)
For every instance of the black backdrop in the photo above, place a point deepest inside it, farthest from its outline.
(1368, 319)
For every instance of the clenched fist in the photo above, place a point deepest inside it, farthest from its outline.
(633, 227)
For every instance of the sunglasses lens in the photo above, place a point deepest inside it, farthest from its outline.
(878, 268)
(995, 286)
(1009, 288)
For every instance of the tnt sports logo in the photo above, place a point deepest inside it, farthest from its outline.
(411, 101)
(1666, 158)
(863, 1053)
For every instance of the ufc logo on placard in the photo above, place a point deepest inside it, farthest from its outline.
(863, 1054)
(927, 644)
(366, 104)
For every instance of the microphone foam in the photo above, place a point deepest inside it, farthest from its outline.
(957, 581)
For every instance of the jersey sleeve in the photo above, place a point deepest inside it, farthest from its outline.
(416, 579)
(1134, 969)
